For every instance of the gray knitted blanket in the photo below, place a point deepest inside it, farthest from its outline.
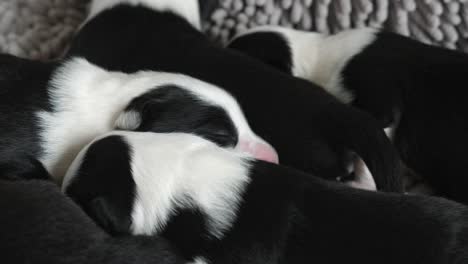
(41, 29)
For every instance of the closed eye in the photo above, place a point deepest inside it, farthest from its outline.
(221, 138)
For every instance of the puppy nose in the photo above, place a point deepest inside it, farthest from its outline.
(259, 150)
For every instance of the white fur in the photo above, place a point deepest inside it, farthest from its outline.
(390, 131)
(364, 179)
(75, 166)
(185, 171)
(177, 170)
(128, 120)
(188, 9)
(321, 58)
(88, 100)
(199, 260)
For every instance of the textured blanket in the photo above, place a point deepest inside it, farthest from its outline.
(41, 29)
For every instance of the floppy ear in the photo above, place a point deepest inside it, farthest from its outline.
(103, 184)
(13, 68)
(108, 217)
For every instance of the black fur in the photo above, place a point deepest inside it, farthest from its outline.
(22, 93)
(207, 7)
(22, 168)
(116, 160)
(269, 47)
(399, 78)
(17, 69)
(40, 225)
(309, 128)
(287, 216)
(426, 85)
(168, 109)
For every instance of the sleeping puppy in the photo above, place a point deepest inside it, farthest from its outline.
(221, 206)
(310, 129)
(41, 225)
(70, 103)
(416, 91)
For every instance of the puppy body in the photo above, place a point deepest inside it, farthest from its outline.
(82, 101)
(219, 206)
(413, 89)
(183, 8)
(40, 225)
(312, 130)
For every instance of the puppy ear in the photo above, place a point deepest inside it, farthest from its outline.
(108, 217)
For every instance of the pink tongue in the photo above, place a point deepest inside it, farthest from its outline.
(259, 150)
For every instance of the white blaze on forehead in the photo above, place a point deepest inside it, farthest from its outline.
(188, 9)
(321, 58)
(87, 101)
(177, 171)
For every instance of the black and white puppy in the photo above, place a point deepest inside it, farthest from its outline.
(51, 111)
(310, 129)
(219, 206)
(416, 91)
(41, 225)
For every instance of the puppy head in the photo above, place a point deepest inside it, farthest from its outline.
(186, 9)
(139, 183)
(204, 110)
(268, 45)
(294, 52)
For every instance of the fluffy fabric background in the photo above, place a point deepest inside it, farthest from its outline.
(41, 29)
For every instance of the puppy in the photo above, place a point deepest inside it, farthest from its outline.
(41, 225)
(309, 128)
(51, 110)
(413, 89)
(220, 206)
